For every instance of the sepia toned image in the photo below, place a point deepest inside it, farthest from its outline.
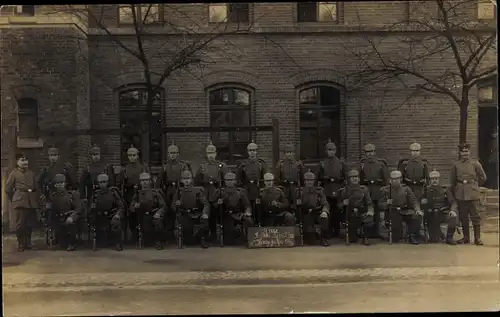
(249, 158)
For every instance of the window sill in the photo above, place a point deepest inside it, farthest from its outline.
(29, 143)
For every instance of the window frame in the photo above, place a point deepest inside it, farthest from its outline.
(138, 8)
(228, 12)
(231, 108)
(480, 3)
(28, 110)
(317, 9)
(19, 10)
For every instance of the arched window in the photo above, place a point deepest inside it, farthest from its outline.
(27, 118)
(230, 107)
(134, 122)
(319, 120)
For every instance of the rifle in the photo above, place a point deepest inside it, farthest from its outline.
(299, 211)
(220, 225)
(389, 214)
(140, 218)
(346, 212)
(425, 219)
(178, 213)
(49, 232)
(93, 222)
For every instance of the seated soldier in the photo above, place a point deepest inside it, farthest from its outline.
(148, 206)
(63, 211)
(107, 212)
(273, 205)
(193, 210)
(440, 207)
(314, 209)
(401, 205)
(236, 209)
(359, 207)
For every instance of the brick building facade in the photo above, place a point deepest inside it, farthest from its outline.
(289, 67)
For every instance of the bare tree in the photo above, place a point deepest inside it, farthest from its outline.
(428, 42)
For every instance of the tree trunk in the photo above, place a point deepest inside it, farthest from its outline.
(464, 114)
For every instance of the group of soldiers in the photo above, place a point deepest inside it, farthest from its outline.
(216, 203)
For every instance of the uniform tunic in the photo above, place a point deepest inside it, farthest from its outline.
(193, 205)
(21, 190)
(45, 179)
(415, 171)
(290, 175)
(249, 173)
(109, 207)
(313, 203)
(274, 215)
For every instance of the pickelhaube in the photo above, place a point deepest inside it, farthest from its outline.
(144, 176)
(53, 151)
(288, 148)
(353, 173)
(268, 176)
(173, 148)
(252, 146)
(59, 178)
(434, 174)
(464, 146)
(415, 147)
(95, 150)
(395, 174)
(330, 145)
(102, 178)
(309, 175)
(132, 150)
(186, 174)
(230, 176)
(211, 148)
(369, 147)
(20, 155)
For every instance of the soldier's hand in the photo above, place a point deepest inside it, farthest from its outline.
(157, 215)
(48, 205)
(229, 211)
(178, 203)
(248, 214)
(423, 201)
(274, 203)
(452, 213)
(323, 215)
(69, 220)
(298, 202)
(345, 202)
(370, 213)
(334, 194)
(136, 205)
(93, 205)
(419, 213)
(389, 201)
(204, 216)
(382, 216)
(85, 200)
(116, 217)
(257, 201)
(219, 201)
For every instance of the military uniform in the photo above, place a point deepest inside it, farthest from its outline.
(107, 211)
(148, 206)
(45, 179)
(278, 214)
(415, 171)
(63, 211)
(404, 208)
(194, 210)
(236, 208)
(374, 175)
(88, 180)
(332, 175)
(359, 210)
(466, 176)
(21, 189)
(312, 206)
(289, 174)
(441, 207)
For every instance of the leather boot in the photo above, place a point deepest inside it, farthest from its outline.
(119, 242)
(27, 243)
(466, 233)
(412, 239)
(324, 240)
(71, 244)
(449, 236)
(477, 235)
(20, 243)
(203, 243)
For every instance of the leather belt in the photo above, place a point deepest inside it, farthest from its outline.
(466, 182)
(26, 190)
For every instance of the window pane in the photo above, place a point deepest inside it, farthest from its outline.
(217, 12)
(327, 11)
(125, 12)
(222, 151)
(130, 99)
(486, 93)
(28, 10)
(306, 11)
(329, 118)
(309, 96)
(329, 96)
(308, 143)
(241, 119)
(308, 117)
(241, 97)
(220, 118)
(238, 12)
(219, 97)
(28, 125)
(239, 152)
(150, 12)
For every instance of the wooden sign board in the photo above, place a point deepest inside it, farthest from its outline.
(271, 237)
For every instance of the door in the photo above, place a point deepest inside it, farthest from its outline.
(488, 142)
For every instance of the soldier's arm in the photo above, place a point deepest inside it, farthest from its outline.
(118, 203)
(481, 175)
(411, 199)
(245, 201)
(161, 203)
(173, 204)
(302, 170)
(204, 201)
(342, 196)
(277, 172)
(283, 201)
(40, 179)
(10, 184)
(345, 169)
(426, 170)
(214, 195)
(450, 199)
(368, 200)
(240, 174)
(263, 169)
(70, 176)
(198, 177)
(382, 203)
(453, 177)
(146, 167)
(76, 202)
(323, 202)
(385, 174)
(188, 166)
(84, 183)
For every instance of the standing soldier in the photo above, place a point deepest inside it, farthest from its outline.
(45, 179)
(415, 171)
(440, 207)
(332, 175)
(209, 176)
(374, 175)
(130, 178)
(360, 212)
(290, 173)
(274, 205)
(20, 188)
(314, 209)
(170, 179)
(236, 208)
(401, 205)
(148, 206)
(194, 209)
(466, 176)
(250, 173)
(63, 210)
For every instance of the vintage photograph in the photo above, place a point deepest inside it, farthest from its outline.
(249, 158)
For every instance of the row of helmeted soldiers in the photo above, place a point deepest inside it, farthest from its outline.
(216, 203)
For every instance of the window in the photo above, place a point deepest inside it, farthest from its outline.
(485, 93)
(22, 10)
(486, 10)
(316, 11)
(319, 120)
(229, 12)
(134, 122)
(149, 13)
(27, 118)
(230, 107)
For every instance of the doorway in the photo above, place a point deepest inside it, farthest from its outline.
(488, 143)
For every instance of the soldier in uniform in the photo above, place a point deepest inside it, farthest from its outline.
(332, 175)
(236, 209)
(314, 209)
(356, 198)
(415, 171)
(171, 179)
(290, 173)
(129, 177)
(63, 210)
(148, 206)
(374, 174)
(107, 211)
(194, 209)
(440, 208)
(45, 179)
(250, 173)
(20, 188)
(209, 176)
(466, 176)
(274, 205)
(400, 205)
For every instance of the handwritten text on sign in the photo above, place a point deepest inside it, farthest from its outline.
(271, 237)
